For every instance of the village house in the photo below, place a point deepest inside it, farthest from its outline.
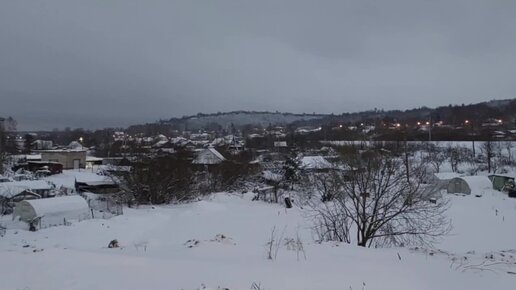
(13, 192)
(315, 163)
(41, 168)
(99, 187)
(209, 156)
(40, 187)
(69, 158)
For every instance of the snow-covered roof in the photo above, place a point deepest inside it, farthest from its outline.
(63, 150)
(93, 158)
(167, 150)
(178, 140)
(160, 143)
(55, 205)
(508, 175)
(217, 153)
(110, 167)
(98, 182)
(209, 156)
(33, 157)
(251, 136)
(477, 182)
(446, 175)
(269, 175)
(218, 141)
(75, 145)
(315, 162)
(10, 189)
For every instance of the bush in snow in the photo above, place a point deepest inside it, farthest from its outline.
(159, 180)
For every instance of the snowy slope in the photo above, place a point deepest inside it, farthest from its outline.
(155, 252)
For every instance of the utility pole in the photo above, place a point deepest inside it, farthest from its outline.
(470, 131)
(430, 130)
(407, 159)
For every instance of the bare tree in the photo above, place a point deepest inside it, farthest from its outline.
(435, 156)
(7, 138)
(3, 160)
(3, 151)
(499, 160)
(318, 193)
(159, 180)
(508, 146)
(457, 155)
(491, 151)
(4, 206)
(379, 206)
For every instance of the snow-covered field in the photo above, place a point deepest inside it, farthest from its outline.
(221, 241)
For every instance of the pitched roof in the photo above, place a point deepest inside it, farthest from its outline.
(315, 162)
(10, 189)
(209, 156)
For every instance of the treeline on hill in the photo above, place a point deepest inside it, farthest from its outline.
(199, 115)
(186, 123)
(453, 115)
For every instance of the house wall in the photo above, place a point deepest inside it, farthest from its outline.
(65, 157)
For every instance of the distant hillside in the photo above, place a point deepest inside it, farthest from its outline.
(451, 114)
(221, 121)
(241, 118)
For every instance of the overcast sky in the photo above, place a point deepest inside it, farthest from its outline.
(96, 64)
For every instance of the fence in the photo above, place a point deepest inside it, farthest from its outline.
(104, 208)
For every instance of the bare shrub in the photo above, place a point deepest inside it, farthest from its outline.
(274, 243)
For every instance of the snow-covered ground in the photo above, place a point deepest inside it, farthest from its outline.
(221, 241)
(68, 177)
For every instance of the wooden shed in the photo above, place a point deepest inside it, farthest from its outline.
(500, 181)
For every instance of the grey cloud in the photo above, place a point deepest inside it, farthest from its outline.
(112, 63)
